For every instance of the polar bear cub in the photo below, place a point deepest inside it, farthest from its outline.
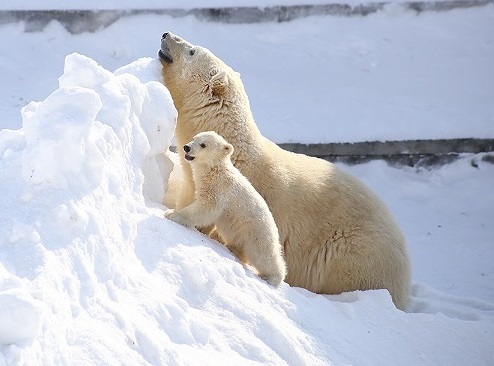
(225, 198)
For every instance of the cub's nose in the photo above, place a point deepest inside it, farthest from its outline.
(186, 148)
(164, 35)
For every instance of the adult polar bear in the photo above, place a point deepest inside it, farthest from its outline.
(337, 235)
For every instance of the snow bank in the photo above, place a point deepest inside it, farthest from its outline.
(93, 118)
(73, 179)
(92, 274)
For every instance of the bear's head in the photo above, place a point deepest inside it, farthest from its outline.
(193, 73)
(207, 148)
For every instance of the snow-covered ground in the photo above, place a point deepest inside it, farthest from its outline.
(92, 274)
(393, 75)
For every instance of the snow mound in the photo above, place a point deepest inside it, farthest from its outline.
(74, 178)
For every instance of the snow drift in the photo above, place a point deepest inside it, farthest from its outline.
(91, 273)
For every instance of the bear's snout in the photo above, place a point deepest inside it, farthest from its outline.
(186, 148)
(164, 52)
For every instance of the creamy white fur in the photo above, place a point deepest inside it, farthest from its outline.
(337, 235)
(225, 198)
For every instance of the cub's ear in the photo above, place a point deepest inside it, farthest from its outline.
(228, 149)
(219, 82)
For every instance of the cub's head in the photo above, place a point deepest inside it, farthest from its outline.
(207, 148)
(193, 73)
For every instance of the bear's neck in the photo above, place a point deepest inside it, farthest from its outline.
(235, 124)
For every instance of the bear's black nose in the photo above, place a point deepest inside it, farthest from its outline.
(186, 148)
(164, 35)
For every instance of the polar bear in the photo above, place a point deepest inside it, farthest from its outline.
(337, 235)
(225, 198)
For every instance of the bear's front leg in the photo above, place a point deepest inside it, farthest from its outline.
(177, 217)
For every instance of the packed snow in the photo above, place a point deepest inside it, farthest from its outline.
(92, 274)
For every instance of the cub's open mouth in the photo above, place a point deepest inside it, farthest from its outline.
(165, 56)
(189, 157)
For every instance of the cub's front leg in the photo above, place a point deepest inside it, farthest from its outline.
(197, 214)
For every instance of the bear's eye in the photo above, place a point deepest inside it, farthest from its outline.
(203, 145)
(192, 51)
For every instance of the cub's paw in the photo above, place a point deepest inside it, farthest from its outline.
(175, 216)
(169, 212)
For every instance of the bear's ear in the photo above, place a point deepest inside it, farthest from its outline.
(228, 149)
(219, 82)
